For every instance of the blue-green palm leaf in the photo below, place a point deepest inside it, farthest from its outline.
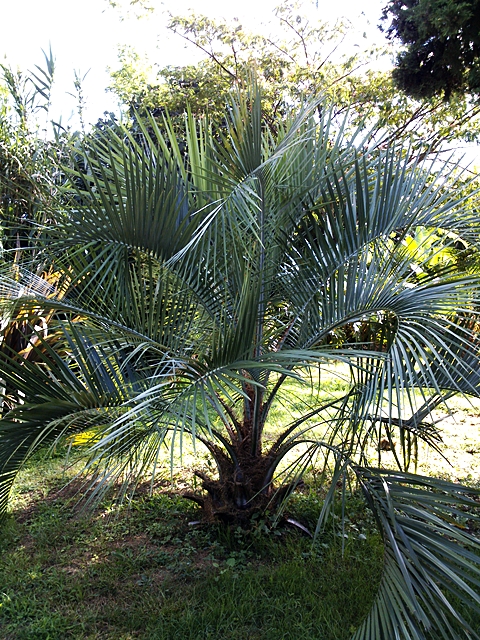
(195, 277)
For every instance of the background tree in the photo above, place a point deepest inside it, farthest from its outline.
(305, 60)
(442, 46)
(288, 68)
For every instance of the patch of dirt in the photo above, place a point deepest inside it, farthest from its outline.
(460, 432)
(461, 447)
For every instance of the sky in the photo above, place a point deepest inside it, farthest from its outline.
(85, 37)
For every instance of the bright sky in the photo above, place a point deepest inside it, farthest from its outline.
(85, 35)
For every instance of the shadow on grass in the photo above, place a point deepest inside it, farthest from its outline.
(147, 573)
(143, 571)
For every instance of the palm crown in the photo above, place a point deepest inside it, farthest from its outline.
(194, 278)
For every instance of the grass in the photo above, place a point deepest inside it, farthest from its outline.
(459, 423)
(145, 572)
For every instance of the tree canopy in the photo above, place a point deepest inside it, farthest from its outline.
(442, 46)
(296, 64)
(307, 59)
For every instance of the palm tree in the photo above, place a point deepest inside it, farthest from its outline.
(197, 278)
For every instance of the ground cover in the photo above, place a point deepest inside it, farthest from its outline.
(147, 572)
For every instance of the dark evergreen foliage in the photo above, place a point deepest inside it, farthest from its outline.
(442, 39)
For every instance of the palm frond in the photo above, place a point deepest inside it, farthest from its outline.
(430, 556)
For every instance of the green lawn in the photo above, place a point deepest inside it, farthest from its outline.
(145, 571)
